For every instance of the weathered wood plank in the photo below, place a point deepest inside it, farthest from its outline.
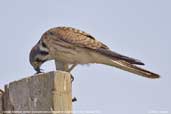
(1, 93)
(43, 92)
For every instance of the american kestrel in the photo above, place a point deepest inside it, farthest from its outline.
(70, 46)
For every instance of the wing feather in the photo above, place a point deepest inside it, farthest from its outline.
(75, 37)
(117, 56)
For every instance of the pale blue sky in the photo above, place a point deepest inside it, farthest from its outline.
(140, 29)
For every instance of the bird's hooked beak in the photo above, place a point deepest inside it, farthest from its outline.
(37, 59)
(38, 70)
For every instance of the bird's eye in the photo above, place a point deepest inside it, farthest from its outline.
(51, 33)
(44, 53)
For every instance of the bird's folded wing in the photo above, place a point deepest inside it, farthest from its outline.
(74, 37)
(116, 56)
(70, 38)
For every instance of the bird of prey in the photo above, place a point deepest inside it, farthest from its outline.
(70, 47)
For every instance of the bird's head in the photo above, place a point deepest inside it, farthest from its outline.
(38, 55)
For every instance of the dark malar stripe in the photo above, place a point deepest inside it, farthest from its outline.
(44, 52)
(44, 45)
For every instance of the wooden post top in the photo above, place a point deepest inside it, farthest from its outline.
(51, 92)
